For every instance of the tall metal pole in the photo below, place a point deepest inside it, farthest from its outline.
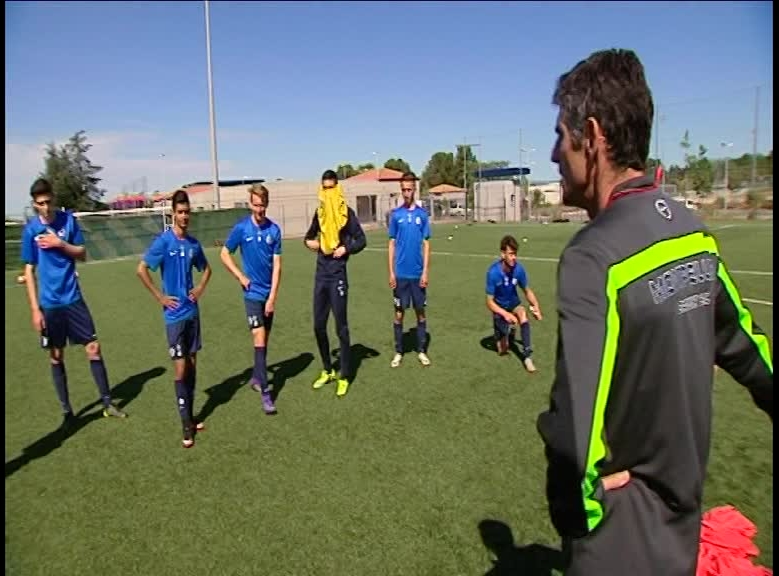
(754, 136)
(214, 159)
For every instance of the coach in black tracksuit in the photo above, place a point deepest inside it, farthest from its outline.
(646, 308)
(335, 234)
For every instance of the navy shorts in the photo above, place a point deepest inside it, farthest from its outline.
(501, 327)
(71, 323)
(184, 338)
(409, 294)
(255, 315)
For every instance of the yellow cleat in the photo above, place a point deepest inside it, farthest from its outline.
(323, 379)
(343, 387)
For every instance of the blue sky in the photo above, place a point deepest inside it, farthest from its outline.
(304, 86)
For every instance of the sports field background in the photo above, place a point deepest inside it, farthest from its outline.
(394, 479)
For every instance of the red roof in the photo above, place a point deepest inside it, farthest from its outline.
(380, 174)
(445, 189)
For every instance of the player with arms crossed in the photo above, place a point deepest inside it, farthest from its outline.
(409, 262)
(51, 243)
(175, 253)
(503, 301)
(335, 234)
(259, 239)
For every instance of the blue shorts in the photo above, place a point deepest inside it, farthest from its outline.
(409, 294)
(502, 328)
(70, 323)
(255, 315)
(184, 338)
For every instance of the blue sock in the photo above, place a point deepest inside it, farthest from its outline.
(191, 380)
(182, 401)
(398, 337)
(61, 385)
(101, 379)
(260, 372)
(524, 329)
(422, 336)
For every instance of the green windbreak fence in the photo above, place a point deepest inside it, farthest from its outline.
(110, 237)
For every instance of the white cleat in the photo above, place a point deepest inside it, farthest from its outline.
(423, 359)
(529, 366)
(396, 360)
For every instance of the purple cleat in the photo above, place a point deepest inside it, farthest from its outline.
(267, 403)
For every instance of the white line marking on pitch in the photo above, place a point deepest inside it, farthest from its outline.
(553, 260)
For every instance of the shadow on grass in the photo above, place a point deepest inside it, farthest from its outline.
(488, 343)
(278, 374)
(512, 560)
(122, 394)
(359, 353)
(410, 341)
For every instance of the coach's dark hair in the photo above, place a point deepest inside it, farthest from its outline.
(509, 241)
(609, 86)
(179, 197)
(409, 177)
(41, 186)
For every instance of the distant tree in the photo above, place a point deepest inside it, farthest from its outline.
(365, 167)
(72, 174)
(397, 164)
(345, 171)
(699, 174)
(440, 169)
(493, 164)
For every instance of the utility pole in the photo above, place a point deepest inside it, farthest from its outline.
(754, 136)
(466, 148)
(217, 203)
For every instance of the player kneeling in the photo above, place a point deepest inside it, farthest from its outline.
(503, 278)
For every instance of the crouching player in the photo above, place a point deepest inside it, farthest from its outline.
(503, 278)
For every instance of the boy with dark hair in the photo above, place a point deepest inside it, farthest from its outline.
(335, 234)
(503, 278)
(409, 262)
(51, 243)
(176, 253)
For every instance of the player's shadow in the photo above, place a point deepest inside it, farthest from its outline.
(280, 372)
(122, 394)
(488, 343)
(222, 393)
(125, 392)
(512, 560)
(359, 353)
(409, 341)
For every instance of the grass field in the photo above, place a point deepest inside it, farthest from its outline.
(395, 479)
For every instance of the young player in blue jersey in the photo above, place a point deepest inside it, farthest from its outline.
(409, 262)
(335, 234)
(51, 243)
(176, 253)
(503, 278)
(259, 239)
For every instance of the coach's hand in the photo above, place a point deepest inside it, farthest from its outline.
(423, 280)
(244, 282)
(270, 306)
(536, 312)
(339, 252)
(393, 282)
(38, 321)
(169, 302)
(616, 480)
